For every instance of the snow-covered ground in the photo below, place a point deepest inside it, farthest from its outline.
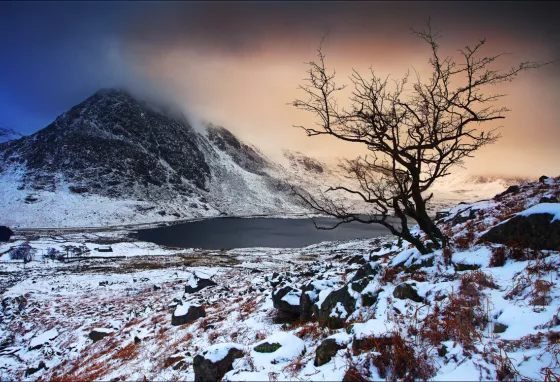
(475, 311)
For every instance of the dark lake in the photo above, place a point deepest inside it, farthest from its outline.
(227, 233)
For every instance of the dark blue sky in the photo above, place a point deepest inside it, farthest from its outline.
(55, 54)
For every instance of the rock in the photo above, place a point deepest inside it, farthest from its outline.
(196, 283)
(368, 298)
(406, 291)
(442, 351)
(338, 305)
(266, 347)
(287, 300)
(181, 365)
(543, 178)
(215, 362)
(510, 190)
(461, 218)
(536, 231)
(33, 370)
(99, 333)
(5, 233)
(548, 199)
(357, 259)
(459, 267)
(137, 340)
(326, 351)
(499, 328)
(441, 214)
(366, 270)
(156, 288)
(186, 313)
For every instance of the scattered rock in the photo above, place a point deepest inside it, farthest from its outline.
(499, 328)
(33, 370)
(196, 283)
(5, 233)
(366, 270)
(215, 362)
(338, 305)
(184, 314)
(459, 267)
(99, 333)
(536, 231)
(287, 299)
(510, 190)
(326, 351)
(266, 347)
(406, 291)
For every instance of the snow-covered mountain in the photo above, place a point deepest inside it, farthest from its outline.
(113, 159)
(8, 135)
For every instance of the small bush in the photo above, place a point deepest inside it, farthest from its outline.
(498, 258)
(22, 252)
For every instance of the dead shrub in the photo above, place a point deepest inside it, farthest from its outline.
(127, 353)
(447, 253)
(498, 258)
(311, 330)
(390, 275)
(395, 359)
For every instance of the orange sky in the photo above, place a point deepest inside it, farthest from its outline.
(244, 75)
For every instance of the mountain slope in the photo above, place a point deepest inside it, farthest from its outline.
(113, 159)
(8, 135)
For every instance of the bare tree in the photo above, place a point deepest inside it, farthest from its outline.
(415, 134)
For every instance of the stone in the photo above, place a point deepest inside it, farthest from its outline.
(266, 347)
(33, 370)
(188, 313)
(98, 334)
(208, 370)
(288, 304)
(543, 178)
(5, 233)
(406, 291)
(326, 350)
(536, 231)
(338, 305)
(200, 284)
(366, 270)
(499, 328)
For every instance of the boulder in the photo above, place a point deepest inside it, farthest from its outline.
(366, 270)
(99, 333)
(336, 308)
(33, 370)
(543, 178)
(287, 300)
(5, 233)
(215, 362)
(406, 291)
(184, 314)
(536, 231)
(196, 283)
(510, 190)
(326, 351)
(499, 328)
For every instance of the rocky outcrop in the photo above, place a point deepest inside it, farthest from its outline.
(536, 231)
(215, 362)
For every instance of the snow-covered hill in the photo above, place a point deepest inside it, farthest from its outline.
(361, 310)
(113, 160)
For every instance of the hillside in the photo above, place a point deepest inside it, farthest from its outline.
(115, 160)
(487, 307)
